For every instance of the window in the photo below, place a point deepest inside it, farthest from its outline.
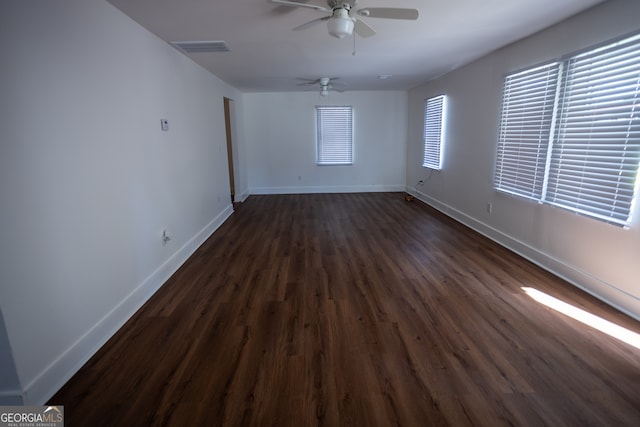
(525, 125)
(570, 132)
(334, 129)
(434, 115)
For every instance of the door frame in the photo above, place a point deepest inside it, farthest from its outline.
(228, 104)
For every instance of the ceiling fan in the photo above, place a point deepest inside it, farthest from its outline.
(326, 84)
(340, 23)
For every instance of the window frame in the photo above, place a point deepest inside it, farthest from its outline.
(528, 141)
(331, 152)
(433, 136)
(582, 130)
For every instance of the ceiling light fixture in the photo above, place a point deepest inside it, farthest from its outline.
(340, 25)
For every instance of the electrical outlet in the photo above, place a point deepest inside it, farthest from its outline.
(164, 124)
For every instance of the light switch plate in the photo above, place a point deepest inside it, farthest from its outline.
(164, 124)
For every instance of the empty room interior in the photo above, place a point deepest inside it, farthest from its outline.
(321, 212)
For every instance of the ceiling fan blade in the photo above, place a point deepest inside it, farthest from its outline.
(296, 4)
(389, 13)
(363, 29)
(307, 84)
(282, 10)
(311, 23)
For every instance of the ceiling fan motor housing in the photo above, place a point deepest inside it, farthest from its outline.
(341, 3)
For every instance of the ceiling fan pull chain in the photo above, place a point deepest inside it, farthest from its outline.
(354, 44)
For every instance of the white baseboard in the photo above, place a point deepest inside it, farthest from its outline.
(584, 280)
(327, 189)
(242, 196)
(53, 377)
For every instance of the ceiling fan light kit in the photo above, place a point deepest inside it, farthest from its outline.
(340, 25)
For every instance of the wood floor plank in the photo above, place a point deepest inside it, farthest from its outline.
(358, 310)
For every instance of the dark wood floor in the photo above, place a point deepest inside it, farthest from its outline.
(356, 310)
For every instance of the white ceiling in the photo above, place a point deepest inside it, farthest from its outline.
(267, 56)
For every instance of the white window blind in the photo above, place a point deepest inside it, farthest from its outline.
(334, 128)
(525, 125)
(570, 133)
(434, 113)
(594, 162)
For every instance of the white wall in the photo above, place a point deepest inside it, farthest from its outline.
(281, 151)
(88, 181)
(10, 390)
(601, 258)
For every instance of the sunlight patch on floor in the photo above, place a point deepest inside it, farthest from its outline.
(609, 328)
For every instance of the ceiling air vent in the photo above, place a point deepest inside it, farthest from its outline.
(202, 47)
